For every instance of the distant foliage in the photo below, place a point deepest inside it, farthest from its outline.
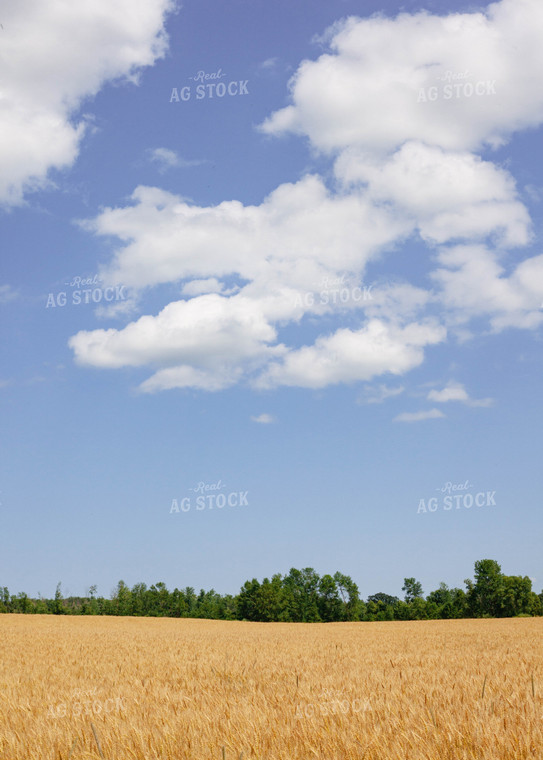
(302, 596)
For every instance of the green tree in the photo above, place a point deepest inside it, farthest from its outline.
(459, 603)
(21, 603)
(384, 599)
(248, 601)
(329, 604)
(353, 607)
(413, 590)
(515, 596)
(485, 595)
(302, 587)
(272, 600)
(41, 606)
(402, 611)
(158, 600)
(419, 608)
(536, 608)
(208, 604)
(179, 604)
(4, 599)
(122, 599)
(58, 607)
(440, 596)
(105, 606)
(139, 600)
(163, 599)
(190, 601)
(381, 606)
(228, 607)
(92, 601)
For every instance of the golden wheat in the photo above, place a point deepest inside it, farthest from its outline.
(147, 688)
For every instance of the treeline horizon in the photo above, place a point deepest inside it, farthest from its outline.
(301, 596)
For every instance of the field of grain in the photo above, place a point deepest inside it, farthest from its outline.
(135, 688)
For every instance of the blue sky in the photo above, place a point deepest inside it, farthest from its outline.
(322, 291)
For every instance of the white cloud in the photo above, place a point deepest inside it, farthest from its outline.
(365, 91)
(206, 342)
(452, 392)
(300, 233)
(270, 64)
(348, 356)
(189, 377)
(393, 301)
(199, 287)
(472, 283)
(421, 165)
(379, 394)
(264, 419)
(170, 159)
(401, 167)
(456, 392)
(431, 414)
(7, 294)
(54, 55)
(118, 309)
(447, 194)
(211, 341)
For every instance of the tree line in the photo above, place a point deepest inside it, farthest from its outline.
(301, 596)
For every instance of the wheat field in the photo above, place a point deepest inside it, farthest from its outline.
(135, 688)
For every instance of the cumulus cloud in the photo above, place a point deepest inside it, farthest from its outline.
(264, 419)
(190, 377)
(270, 64)
(300, 233)
(348, 356)
(170, 159)
(451, 392)
(376, 395)
(365, 92)
(7, 294)
(54, 55)
(447, 194)
(456, 392)
(431, 414)
(204, 342)
(472, 282)
(404, 169)
(199, 287)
